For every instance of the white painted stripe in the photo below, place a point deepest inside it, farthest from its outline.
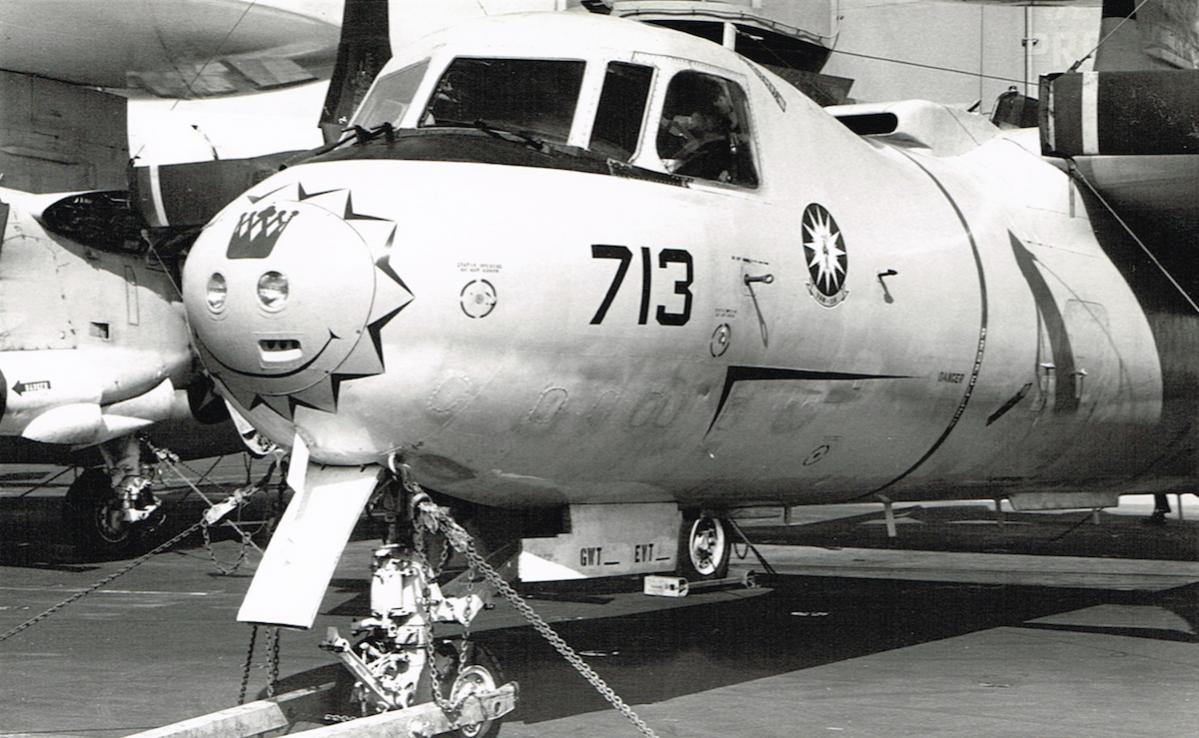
(74, 590)
(983, 568)
(160, 213)
(1090, 113)
(1050, 119)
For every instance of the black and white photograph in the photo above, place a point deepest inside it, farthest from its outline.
(598, 368)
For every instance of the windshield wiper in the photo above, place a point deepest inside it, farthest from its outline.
(359, 135)
(524, 136)
(503, 134)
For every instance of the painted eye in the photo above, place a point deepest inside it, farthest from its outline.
(272, 291)
(217, 292)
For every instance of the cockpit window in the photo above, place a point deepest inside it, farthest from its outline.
(621, 110)
(391, 96)
(704, 132)
(533, 96)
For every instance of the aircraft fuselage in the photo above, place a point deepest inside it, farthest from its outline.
(93, 344)
(529, 327)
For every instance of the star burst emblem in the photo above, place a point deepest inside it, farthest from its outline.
(353, 294)
(826, 256)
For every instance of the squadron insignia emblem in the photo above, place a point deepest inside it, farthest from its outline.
(826, 257)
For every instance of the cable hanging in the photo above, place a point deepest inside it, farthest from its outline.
(1078, 175)
(1074, 67)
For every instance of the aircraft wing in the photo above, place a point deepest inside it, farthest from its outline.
(1162, 185)
(170, 49)
(60, 134)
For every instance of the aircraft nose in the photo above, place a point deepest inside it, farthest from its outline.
(281, 292)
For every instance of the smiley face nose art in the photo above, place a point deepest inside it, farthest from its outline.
(287, 297)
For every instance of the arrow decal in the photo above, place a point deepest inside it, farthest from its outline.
(40, 385)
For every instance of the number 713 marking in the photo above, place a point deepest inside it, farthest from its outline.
(666, 257)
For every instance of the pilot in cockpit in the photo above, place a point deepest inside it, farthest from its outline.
(697, 137)
(447, 101)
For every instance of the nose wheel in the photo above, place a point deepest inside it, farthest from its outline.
(478, 674)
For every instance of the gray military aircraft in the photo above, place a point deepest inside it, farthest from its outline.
(94, 348)
(613, 282)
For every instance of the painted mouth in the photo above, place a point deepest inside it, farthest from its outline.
(279, 350)
(284, 350)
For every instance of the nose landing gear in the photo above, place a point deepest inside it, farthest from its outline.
(444, 686)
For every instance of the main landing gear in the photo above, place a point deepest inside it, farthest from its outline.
(108, 510)
(704, 547)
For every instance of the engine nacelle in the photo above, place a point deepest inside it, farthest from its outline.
(44, 396)
(71, 414)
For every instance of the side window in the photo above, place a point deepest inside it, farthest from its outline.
(621, 110)
(391, 97)
(704, 131)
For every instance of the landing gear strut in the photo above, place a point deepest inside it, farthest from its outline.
(398, 663)
(108, 509)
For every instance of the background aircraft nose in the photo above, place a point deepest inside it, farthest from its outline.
(281, 292)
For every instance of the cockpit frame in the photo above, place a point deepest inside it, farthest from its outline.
(646, 155)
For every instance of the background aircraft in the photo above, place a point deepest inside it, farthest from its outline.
(94, 352)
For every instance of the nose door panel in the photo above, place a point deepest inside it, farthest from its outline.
(281, 294)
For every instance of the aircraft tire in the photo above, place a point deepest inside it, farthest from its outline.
(476, 670)
(91, 516)
(704, 547)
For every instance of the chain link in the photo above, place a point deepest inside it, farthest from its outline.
(462, 542)
(165, 456)
(226, 569)
(273, 680)
(471, 576)
(272, 647)
(443, 561)
(423, 545)
(249, 664)
(171, 460)
(446, 706)
(119, 572)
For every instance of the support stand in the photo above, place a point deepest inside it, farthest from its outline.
(889, 516)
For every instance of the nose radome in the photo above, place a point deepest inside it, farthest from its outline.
(281, 293)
